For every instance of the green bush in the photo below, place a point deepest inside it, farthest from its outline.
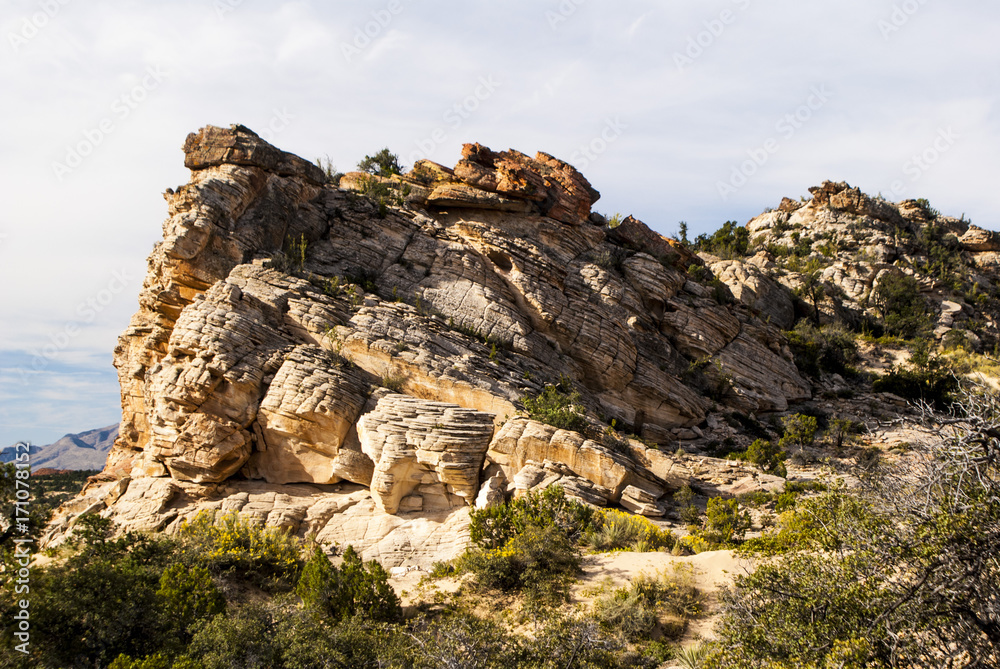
(724, 523)
(634, 611)
(684, 498)
(539, 562)
(628, 612)
(100, 603)
(557, 406)
(362, 588)
(799, 430)
(829, 349)
(494, 526)
(934, 384)
(156, 661)
(246, 638)
(355, 588)
(767, 456)
(900, 305)
(730, 241)
(186, 597)
(383, 164)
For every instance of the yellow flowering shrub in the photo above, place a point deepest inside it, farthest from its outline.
(620, 530)
(230, 542)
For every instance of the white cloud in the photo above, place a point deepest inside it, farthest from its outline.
(560, 83)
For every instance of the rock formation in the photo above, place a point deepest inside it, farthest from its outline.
(846, 242)
(327, 363)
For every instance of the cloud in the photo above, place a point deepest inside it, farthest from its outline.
(561, 81)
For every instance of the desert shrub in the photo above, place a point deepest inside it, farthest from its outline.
(767, 456)
(232, 543)
(494, 526)
(619, 530)
(383, 164)
(905, 550)
(635, 610)
(384, 193)
(695, 656)
(186, 597)
(841, 431)
(463, 640)
(724, 523)
(730, 241)
(684, 498)
(785, 501)
(246, 638)
(155, 661)
(828, 349)
(799, 430)
(756, 498)
(695, 543)
(355, 588)
(98, 604)
(900, 305)
(933, 383)
(558, 406)
(539, 562)
(393, 382)
(332, 174)
(627, 611)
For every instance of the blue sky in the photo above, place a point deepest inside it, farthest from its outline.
(690, 110)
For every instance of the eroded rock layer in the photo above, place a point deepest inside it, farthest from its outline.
(354, 370)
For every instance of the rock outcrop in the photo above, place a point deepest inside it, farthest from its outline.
(844, 242)
(280, 308)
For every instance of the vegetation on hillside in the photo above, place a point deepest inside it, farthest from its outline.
(902, 572)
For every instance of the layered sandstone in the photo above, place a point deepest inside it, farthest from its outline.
(356, 371)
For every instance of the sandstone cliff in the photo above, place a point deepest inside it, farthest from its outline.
(325, 362)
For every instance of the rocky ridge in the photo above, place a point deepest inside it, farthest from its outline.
(847, 242)
(322, 362)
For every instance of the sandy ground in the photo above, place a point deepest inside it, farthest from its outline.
(711, 569)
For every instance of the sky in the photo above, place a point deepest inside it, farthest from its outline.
(687, 110)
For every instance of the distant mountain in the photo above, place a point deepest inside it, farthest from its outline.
(10, 453)
(86, 450)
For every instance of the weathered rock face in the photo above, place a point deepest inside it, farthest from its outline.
(752, 286)
(277, 304)
(430, 450)
(534, 455)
